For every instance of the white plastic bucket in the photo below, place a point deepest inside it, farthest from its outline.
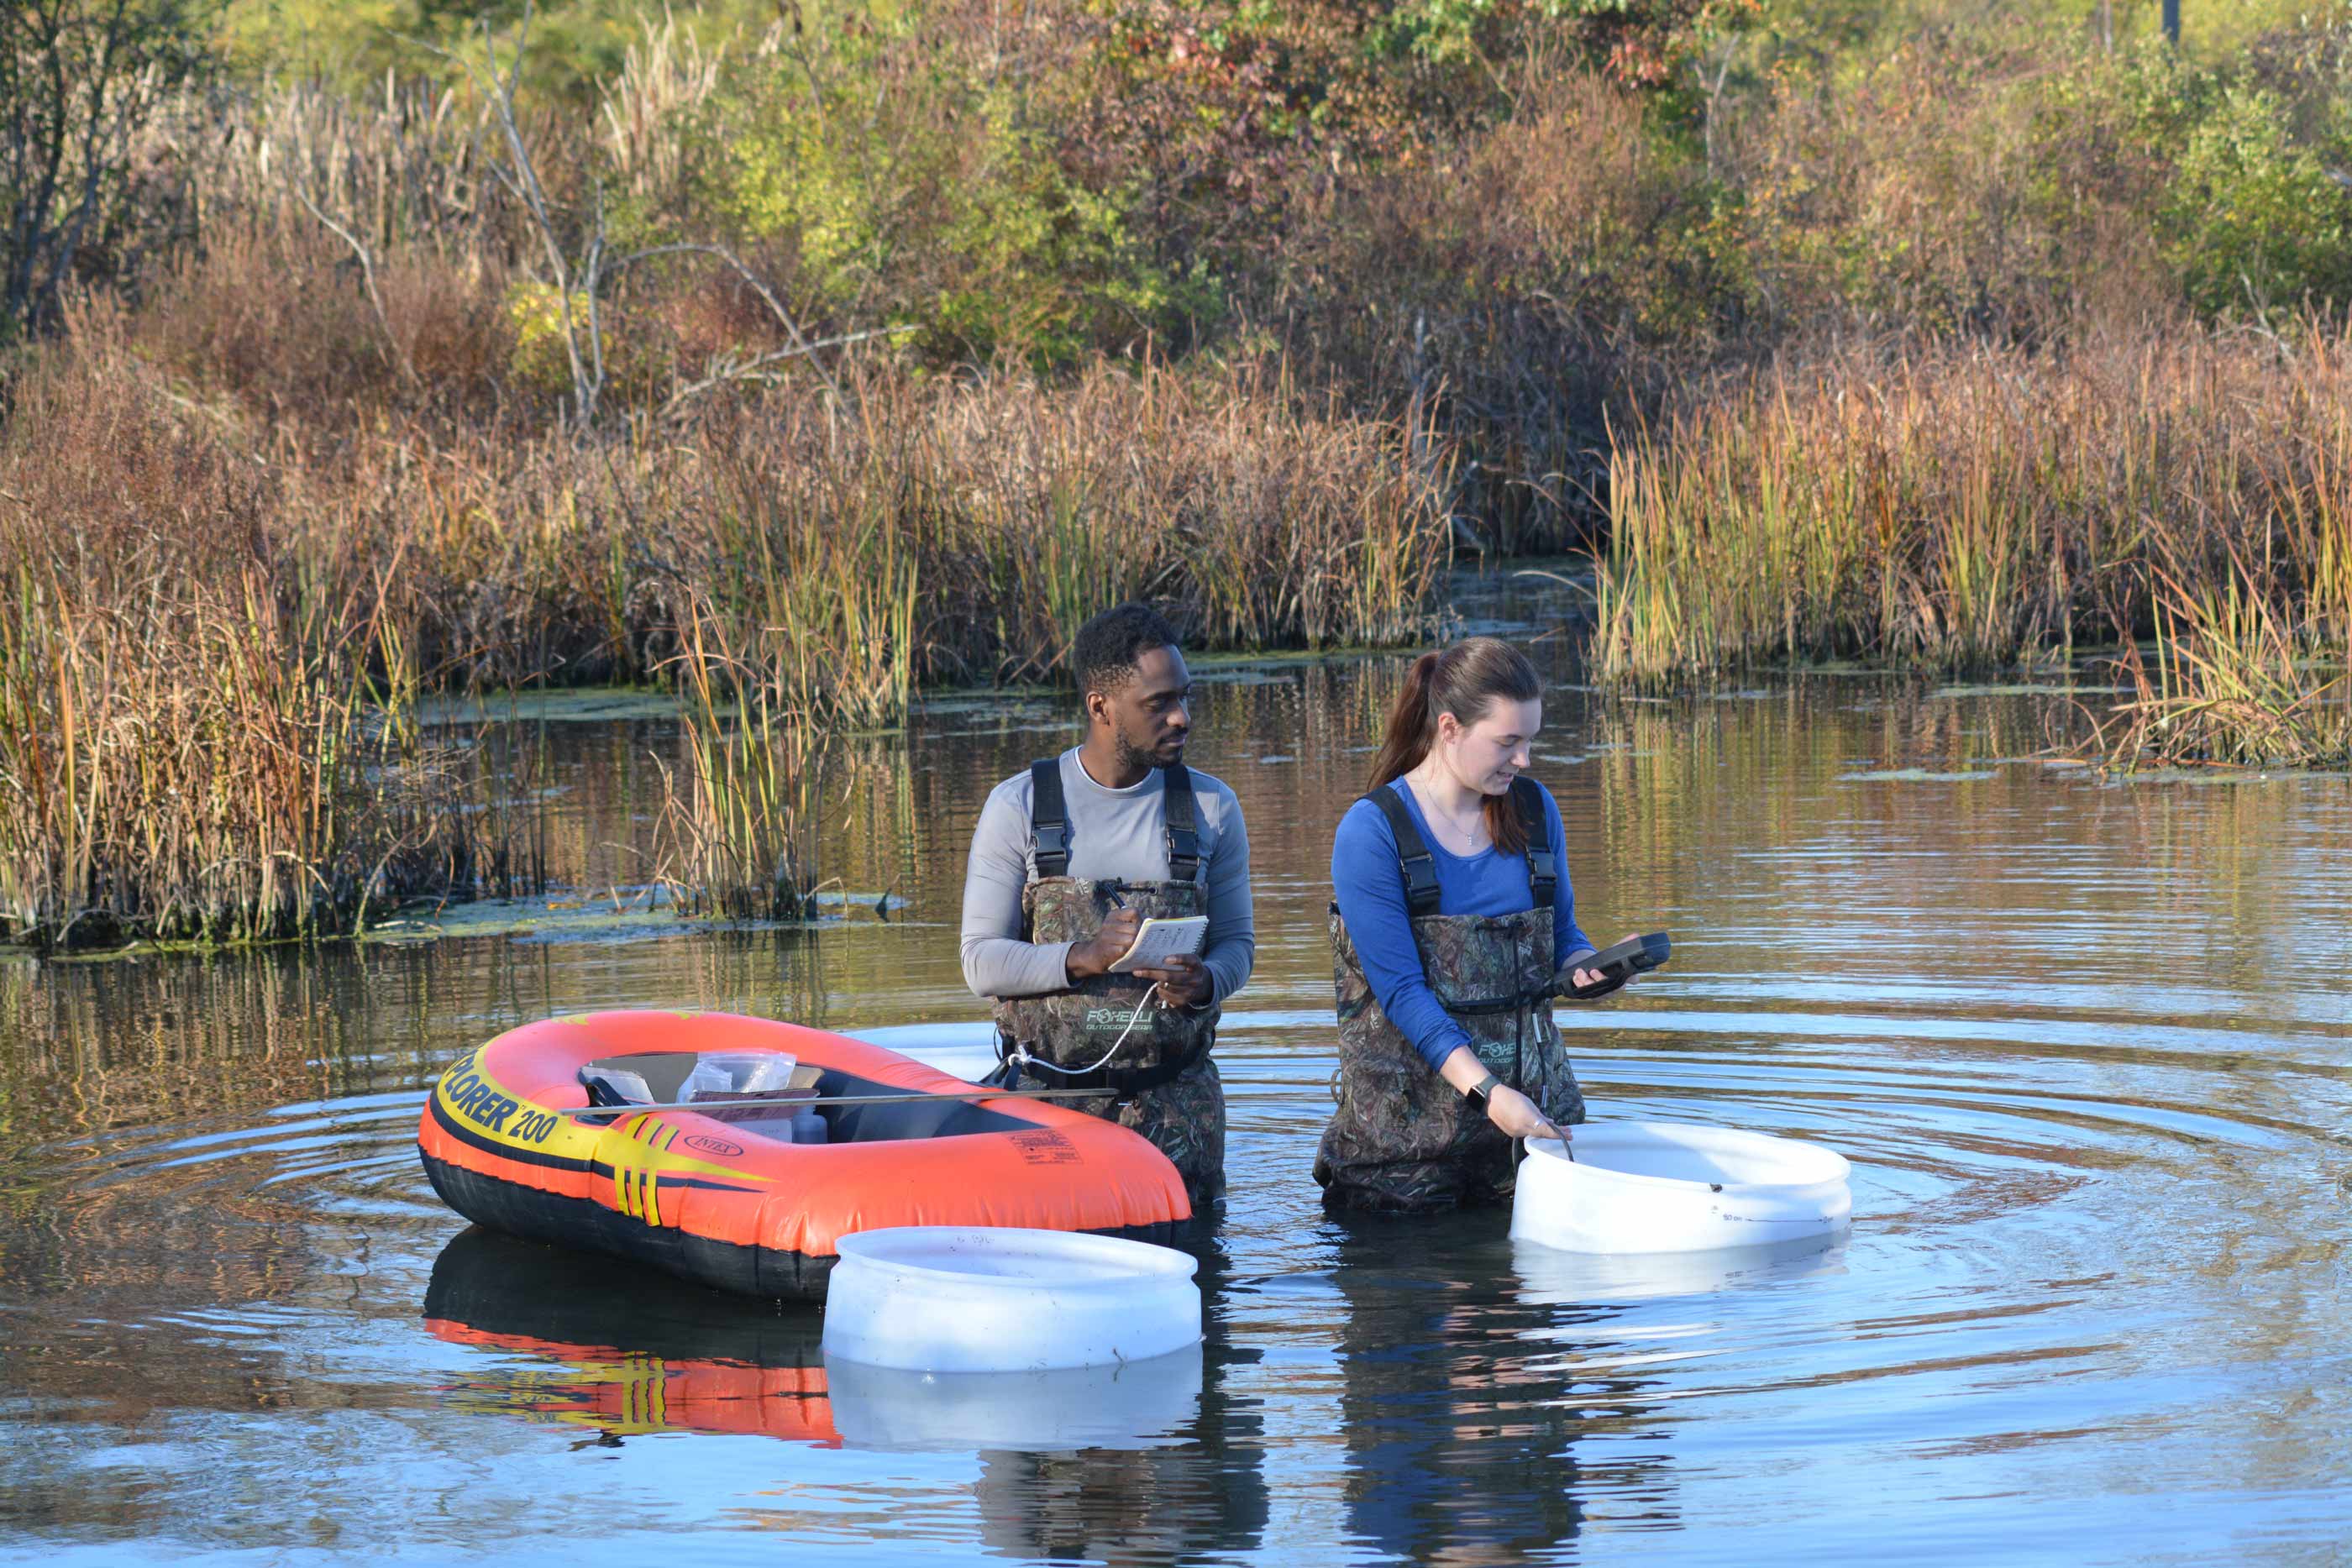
(941, 1297)
(1135, 1405)
(1657, 1186)
(965, 1050)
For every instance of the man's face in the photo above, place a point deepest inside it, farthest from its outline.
(1151, 716)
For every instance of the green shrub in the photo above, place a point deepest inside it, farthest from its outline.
(903, 185)
(2250, 219)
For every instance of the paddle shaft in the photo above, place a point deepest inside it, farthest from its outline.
(706, 1106)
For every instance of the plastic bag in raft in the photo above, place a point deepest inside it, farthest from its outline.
(615, 1086)
(734, 1074)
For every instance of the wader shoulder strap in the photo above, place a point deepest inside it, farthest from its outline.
(1543, 877)
(1049, 819)
(1183, 824)
(1420, 867)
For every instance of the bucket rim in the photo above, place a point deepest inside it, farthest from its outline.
(1836, 1169)
(1111, 1262)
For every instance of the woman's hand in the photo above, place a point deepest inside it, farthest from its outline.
(1508, 1109)
(1517, 1115)
(1580, 978)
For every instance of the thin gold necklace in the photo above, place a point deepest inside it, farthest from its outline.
(1470, 833)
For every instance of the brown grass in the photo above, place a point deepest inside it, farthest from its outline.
(191, 748)
(240, 537)
(1979, 509)
(2232, 682)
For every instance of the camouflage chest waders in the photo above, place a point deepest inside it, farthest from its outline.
(1159, 1082)
(1403, 1138)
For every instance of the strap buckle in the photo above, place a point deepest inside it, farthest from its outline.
(1421, 889)
(1542, 882)
(1052, 848)
(1183, 853)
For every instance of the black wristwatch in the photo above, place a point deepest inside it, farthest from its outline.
(1483, 1088)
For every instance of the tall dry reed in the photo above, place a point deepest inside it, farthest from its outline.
(729, 841)
(1975, 510)
(194, 745)
(2232, 680)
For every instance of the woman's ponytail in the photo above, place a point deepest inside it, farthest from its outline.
(1411, 722)
(1463, 681)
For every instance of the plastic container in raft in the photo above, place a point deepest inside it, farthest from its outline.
(973, 1299)
(1656, 1186)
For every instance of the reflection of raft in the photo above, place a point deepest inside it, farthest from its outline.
(572, 1343)
(722, 1197)
(622, 1356)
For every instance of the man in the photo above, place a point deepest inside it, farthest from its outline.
(1070, 857)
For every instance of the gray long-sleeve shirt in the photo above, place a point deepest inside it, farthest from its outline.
(1117, 833)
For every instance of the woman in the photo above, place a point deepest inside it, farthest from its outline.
(1454, 914)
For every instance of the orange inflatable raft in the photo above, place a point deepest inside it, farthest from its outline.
(724, 1196)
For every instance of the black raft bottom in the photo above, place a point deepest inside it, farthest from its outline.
(497, 1204)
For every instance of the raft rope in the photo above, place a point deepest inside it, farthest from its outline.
(899, 1098)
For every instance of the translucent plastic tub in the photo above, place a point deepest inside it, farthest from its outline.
(957, 1299)
(1656, 1186)
(965, 1050)
(1133, 1404)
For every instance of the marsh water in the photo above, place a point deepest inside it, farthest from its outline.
(2085, 1040)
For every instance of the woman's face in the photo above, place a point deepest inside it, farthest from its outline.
(1491, 750)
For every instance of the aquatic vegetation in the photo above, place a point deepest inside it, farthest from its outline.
(261, 791)
(191, 748)
(2233, 683)
(876, 533)
(1971, 510)
(728, 837)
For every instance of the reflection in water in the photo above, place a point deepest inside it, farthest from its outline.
(1130, 1405)
(621, 1351)
(1203, 1496)
(2085, 1044)
(1144, 1462)
(1459, 1448)
(1548, 1277)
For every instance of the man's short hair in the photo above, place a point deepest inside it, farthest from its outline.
(1105, 655)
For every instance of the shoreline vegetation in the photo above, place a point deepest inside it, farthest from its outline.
(801, 366)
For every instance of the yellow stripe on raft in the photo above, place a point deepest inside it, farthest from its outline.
(471, 1097)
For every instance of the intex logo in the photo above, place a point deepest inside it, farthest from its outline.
(713, 1146)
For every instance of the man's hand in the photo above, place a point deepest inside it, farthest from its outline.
(1100, 952)
(1184, 983)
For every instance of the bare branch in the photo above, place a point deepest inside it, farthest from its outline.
(749, 369)
(800, 345)
(367, 279)
(522, 178)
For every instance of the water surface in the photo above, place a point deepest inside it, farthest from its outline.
(2085, 1042)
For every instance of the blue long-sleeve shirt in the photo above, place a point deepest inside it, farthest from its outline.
(1368, 884)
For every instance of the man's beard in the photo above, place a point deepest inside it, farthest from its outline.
(1132, 756)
